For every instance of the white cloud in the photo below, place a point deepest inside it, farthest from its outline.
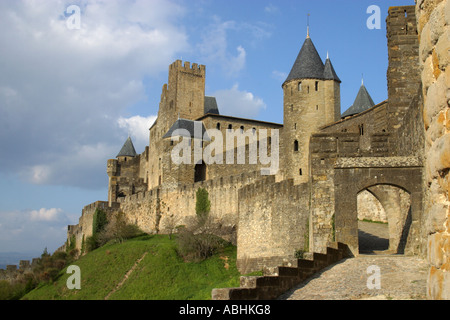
(84, 166)
(137, 127)
(33, 230)
(62, 92)
(234, 102)
(271, 9)
(278, 75)
(214, 47)
(45, 214)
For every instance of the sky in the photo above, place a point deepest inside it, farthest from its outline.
(73, 87)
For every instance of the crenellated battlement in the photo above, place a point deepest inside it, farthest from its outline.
(186, 67)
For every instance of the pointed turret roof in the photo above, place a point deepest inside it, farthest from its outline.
(329, 73)
(362, 102)
(308, 64)
(127, 149)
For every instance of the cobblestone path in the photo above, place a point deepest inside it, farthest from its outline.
(401, 278)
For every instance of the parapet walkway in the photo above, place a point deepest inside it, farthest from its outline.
(401, 278)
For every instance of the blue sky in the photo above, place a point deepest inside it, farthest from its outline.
(69, 98)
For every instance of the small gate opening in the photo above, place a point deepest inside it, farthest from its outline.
(373, 228)
(200, 172)
(384, 219)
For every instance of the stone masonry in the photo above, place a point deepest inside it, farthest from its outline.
(433, 24)
(388, 161)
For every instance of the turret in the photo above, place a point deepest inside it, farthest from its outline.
(363, 101)
(311, 100)
(127, 152)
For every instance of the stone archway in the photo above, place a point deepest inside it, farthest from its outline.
(353, 178)
(384, 213)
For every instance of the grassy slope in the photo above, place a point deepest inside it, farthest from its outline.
(162, 274)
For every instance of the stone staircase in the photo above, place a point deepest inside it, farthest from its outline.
(281, 279)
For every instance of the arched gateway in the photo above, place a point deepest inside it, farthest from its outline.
(389, 179)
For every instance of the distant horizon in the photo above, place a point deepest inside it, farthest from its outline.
(13, 258)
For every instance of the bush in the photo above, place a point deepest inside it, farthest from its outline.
(198, 246)
(92, 243)
(99, 221)
(202, 205)
(117, 230)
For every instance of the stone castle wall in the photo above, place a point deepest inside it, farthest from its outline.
(83, 229)
(393, 152)
(162, 209)
(273, 223)
(433, 25)
(13, 273)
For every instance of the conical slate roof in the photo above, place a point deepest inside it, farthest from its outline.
(362, 102)
(127, 149)
(329, 73)
(308, 64)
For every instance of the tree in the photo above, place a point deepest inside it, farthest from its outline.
(99, 221)
(118, 229)
(202, 205)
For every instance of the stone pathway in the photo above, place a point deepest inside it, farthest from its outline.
(401, 277)
(372, 237)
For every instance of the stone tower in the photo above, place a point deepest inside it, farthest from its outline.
(403, 74)
(311, 100)
(182, 98)
(124, 173)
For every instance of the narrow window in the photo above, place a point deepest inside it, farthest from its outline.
(317, 86)
(295, 145)
(254, 131)
(299, 86)
(218, 126)
(361, 129)
(230, 127)
(300, 172)
(242, 129)
(317, 107)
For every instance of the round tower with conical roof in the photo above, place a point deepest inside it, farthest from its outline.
(311, 95)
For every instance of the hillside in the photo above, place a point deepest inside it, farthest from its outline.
(143, 268)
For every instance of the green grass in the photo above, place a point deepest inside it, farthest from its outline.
(161, 275)
(371, 221)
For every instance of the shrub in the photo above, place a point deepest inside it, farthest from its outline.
(92, 243)
(194, 246)
(117, 230)
(99, 221)
(202, 205)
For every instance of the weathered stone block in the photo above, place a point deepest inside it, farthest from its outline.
(435, 250)
(439, 155)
